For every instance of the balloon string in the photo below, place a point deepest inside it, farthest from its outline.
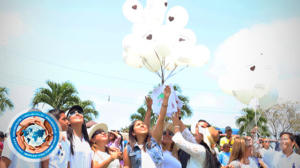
(145, 62)
(172, 73)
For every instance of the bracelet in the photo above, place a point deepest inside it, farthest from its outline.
(164, 105)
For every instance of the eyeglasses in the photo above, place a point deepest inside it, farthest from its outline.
(74, 112)
(169, 132)
(266, 141)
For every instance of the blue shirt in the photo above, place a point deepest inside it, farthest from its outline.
(224, 158)
(154, 151)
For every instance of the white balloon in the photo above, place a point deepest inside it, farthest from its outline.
(149, 58)
(154, 15)
(185, 37)
(152, 4)
(133, 11)
(200, 56)
(133, 59)
(182, 55)
(244, 96)
(151, 62)
(170, 63)
(131, 53)
(226, 83)
(177, 17)
(162, 50)
(269, 99)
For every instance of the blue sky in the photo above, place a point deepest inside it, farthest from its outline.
(81, 42)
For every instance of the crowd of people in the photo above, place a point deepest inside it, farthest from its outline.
(164, 145)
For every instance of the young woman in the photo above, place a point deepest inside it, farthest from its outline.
(81, 153)
(240, 155)
(200, 155)
(169, 149)
(103, 156)
(143, 150)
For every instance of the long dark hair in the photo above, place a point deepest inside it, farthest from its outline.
(70, 135)
(211, 160)
(133, 140)
(99, 131)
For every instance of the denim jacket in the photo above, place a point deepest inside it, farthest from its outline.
(154, 151)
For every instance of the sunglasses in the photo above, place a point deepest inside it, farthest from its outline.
(74, 112)
(169, 132)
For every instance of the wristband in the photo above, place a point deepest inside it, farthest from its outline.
(164, 105)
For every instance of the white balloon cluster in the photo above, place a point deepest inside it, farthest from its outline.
(159, 40)
(251, 82)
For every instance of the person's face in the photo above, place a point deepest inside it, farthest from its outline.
(140, 128)
(286, 143)
(226, 148)
(1, 139)
(228, 133)
(167, 137)
(101, 138)
(76, 118)
(266, 143)
(63, 121)
(111, 136)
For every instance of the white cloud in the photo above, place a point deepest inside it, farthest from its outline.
(11, 26)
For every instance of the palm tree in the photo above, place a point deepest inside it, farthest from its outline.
(185, 110)
(140, 115)
(247, 122)
(58, 95)
(4, 101)
(88, 108)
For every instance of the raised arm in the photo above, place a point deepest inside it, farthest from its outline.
(158, 130)
(179, 126)
(192, 148)
(147, 119)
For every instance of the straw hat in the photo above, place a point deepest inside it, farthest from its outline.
(96, 127)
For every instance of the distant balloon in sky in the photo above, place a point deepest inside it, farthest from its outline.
(159, 40)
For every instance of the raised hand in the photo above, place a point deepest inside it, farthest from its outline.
(167, 91)
(149, 102)
(175, 119)
(115, 153)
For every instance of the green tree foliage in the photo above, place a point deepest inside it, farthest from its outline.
(247, 122)
(5, 102)
(63, 96)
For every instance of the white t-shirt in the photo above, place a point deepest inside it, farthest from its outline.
(83, 153)
(15, 161)
(147, 161)
(60, 156)
(238, 164)
(278, 159)
(100, 156)
(263, 150)
(170, 161)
